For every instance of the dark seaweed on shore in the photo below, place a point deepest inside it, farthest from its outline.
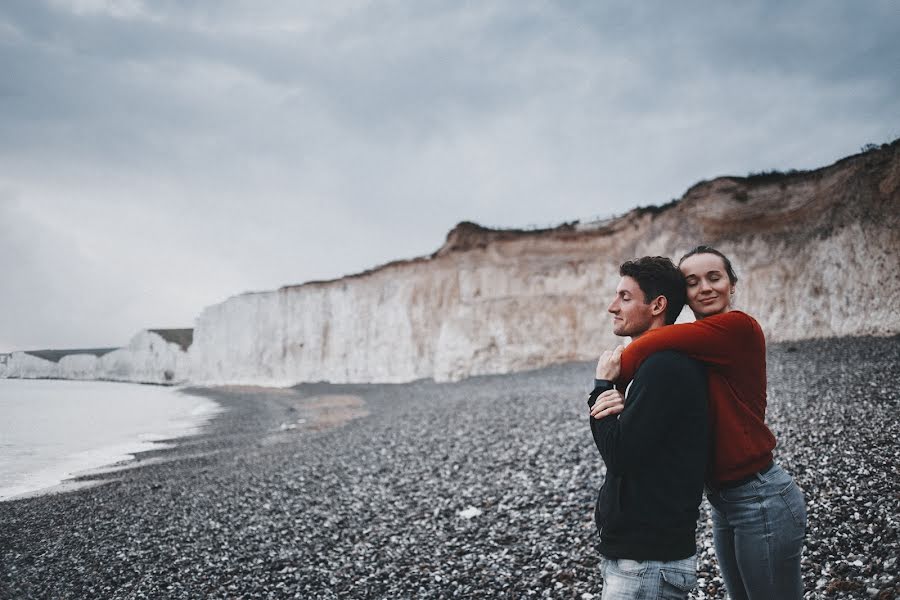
(483, 488)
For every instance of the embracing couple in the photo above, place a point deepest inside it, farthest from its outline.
(692, 417)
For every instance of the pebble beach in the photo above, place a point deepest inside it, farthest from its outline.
(482, 488)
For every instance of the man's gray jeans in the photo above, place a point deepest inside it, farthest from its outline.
(625, 579)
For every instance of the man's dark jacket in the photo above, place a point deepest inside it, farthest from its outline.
(655, 452)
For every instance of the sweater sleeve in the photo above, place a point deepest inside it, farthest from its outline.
(627, 441)
(712, 340)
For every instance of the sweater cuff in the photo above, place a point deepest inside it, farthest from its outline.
(600, 386)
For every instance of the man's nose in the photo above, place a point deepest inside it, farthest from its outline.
(613, 306)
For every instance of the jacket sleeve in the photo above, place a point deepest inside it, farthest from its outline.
(662, 389)
(712, 340)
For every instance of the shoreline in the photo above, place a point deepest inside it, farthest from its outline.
(56, 468)
(483, 487)
(154, 383)
(320, 412)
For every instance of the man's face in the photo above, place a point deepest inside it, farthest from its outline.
(631, 314)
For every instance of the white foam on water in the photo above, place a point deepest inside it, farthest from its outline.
(53, 430)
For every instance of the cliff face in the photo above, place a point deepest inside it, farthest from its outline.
(150, 357)
(816, 253)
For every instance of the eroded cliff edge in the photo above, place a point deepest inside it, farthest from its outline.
(817, 254)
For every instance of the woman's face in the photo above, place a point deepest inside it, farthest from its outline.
(708, 287)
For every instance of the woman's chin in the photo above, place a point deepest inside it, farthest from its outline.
(707, 311)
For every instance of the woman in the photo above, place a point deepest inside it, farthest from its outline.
(759, 516)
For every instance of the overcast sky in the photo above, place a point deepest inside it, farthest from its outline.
(157, 157)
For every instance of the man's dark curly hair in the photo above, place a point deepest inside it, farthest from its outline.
(658, 276)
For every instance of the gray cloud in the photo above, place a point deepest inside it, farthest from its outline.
(165, 155)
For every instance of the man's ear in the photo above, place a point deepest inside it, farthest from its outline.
(658, 306)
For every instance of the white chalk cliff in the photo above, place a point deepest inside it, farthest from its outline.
(152, 356)
(817, 253)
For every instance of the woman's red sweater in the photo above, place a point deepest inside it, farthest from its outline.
(733, 347)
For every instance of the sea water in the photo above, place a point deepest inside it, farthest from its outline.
(51, 430)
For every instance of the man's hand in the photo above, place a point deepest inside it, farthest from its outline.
(610, 402)
(610, 364)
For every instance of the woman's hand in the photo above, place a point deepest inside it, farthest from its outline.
(610, 402)
(610, 364)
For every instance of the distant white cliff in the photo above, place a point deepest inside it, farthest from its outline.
(816, 253)
(152, 356)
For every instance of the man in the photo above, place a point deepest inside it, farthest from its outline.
(654, 444)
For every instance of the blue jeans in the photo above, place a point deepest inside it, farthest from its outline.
(758, 530)
(625, 579)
